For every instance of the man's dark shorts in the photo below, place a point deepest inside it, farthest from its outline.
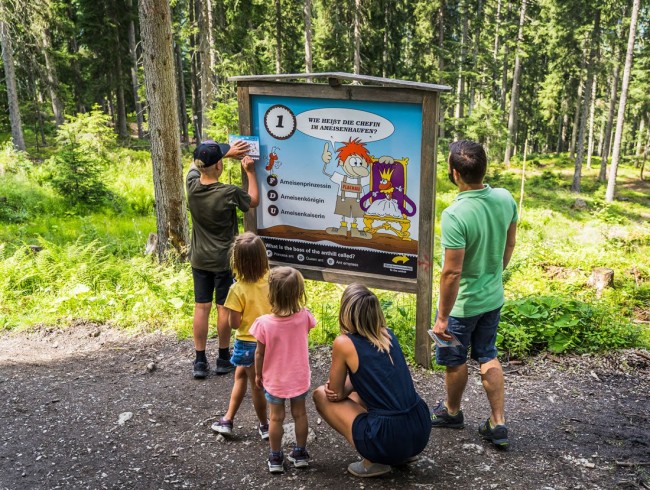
(206, 283)
(479, 331)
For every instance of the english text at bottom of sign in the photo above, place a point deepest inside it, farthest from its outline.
(400, 269)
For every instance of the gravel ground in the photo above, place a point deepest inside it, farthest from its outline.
(92, 407)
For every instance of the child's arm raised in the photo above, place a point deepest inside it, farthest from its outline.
(248, 164)
(259, 363)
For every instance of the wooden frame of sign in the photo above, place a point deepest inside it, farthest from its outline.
(380, 90)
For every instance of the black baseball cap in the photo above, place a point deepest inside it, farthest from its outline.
(210, 152)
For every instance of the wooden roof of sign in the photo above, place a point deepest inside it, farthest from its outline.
(334, 79)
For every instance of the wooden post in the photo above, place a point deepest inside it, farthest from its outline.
(427, 223)
(243, 104)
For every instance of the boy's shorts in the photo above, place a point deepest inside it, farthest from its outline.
(274, 400)
(479, 331)
(207, 282)
(243, 353)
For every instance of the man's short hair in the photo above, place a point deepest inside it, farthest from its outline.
(468, 158)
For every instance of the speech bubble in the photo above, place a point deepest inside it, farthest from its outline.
(338, 124)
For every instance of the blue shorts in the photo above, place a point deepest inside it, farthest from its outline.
(206, 283)
(479, 332)
(243, 353)
(280, 401)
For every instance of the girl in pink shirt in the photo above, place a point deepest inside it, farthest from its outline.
(282, 362)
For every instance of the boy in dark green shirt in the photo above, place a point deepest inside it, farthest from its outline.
(213, 206)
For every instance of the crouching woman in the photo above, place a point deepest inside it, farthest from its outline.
(370, 398)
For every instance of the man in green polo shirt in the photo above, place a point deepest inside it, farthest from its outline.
(478, 238)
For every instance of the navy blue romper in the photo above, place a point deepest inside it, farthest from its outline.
(397, 424)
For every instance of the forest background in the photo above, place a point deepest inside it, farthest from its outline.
(565, 83)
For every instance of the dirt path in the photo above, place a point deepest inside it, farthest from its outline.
(583, 422)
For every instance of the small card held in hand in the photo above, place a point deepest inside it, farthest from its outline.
(444, 343)
(253, 144)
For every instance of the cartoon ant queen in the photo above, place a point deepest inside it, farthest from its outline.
(386, 206)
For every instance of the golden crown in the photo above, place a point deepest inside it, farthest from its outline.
(386, 173)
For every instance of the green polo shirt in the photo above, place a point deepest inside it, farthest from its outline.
(478, 222)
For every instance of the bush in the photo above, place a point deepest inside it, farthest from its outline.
(76, 169)
(13, 161)
(534, 324)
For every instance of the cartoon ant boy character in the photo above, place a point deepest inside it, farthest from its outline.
(355, 161)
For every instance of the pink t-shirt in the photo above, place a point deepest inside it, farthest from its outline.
(286, 371)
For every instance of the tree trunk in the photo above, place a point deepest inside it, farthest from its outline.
(197, 116)
(607, 139)
(565, 124)
(514, 95)
(592, 114)
(460, 90)
(206, 75)
(576, 118)
(39, 100)
(504, 70)
(475, 68)
(385, 48)
(211, 47)
(122, 130)
(441, 43)
(74, 64)
(135, 85)
(645, 152)
(308, 59)
(497, 37)
(357, 37)
(611, 183)
(441, 64)
(595, 38)
(182, 105)
(171, 211)
(278, 36)
(601, 137)
(639, 137)
(12, 93)
(52, 79)
(560, 129)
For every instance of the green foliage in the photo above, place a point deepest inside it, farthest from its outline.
(90, 131)
(399, 310)
(20, 200)
(131, 180)
(533, 324)
(13, 161)
(82, 279)
(488, 126)
(225, 121)
(76, 169)
(77, 176)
